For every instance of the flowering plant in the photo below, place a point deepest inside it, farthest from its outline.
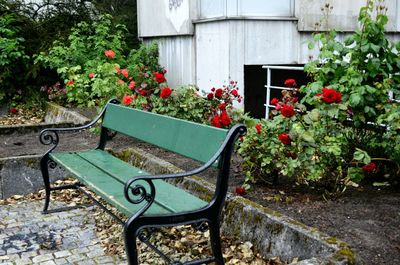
(56, 92)
(348, 132)
(221, 104)
(94, 67)
(185, 102)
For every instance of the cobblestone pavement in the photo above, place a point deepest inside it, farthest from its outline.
(29, 237)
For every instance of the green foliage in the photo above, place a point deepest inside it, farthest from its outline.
(184, 103)
(37, 24)
(12, 56)
(351, 131)
(86, 46)
(91, 75)
(364, 68)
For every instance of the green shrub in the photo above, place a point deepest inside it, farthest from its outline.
(91, 62)
(12, 57)
(351, 131)
(185, 102)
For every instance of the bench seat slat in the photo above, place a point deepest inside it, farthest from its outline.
(106, 175)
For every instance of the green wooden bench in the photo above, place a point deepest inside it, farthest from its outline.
(147, 200)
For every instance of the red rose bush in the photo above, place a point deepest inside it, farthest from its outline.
(350, 115)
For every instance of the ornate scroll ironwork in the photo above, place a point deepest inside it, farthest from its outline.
(51, 164)
(49, 137)
(139, 191)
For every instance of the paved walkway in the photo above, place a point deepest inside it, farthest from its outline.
(29, 237)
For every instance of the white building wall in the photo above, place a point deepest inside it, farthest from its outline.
(212, 53)
(224, 47)
(343, 15)
(224, 38)
(177, 55)
(165, 18)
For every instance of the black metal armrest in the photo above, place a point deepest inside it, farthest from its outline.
(49, 136)
(140, 192)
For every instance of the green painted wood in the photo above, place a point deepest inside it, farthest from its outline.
(197, 141)
(106, 175)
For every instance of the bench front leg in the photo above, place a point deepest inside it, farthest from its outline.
(44, 167)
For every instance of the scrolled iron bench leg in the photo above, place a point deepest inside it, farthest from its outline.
(44, 167)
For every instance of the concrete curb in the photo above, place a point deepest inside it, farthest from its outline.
(21, 175)
(272, 233)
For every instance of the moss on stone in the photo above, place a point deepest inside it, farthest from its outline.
(345, 253)
(331, 240)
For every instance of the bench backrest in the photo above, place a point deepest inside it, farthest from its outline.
(193, 140)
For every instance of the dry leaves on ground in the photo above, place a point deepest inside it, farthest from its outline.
(22, 116)
(180, 243)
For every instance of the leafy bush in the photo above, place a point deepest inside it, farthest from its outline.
(12, 56)
(186, 103)
(91, 63)
(39, 24)
(350, 132)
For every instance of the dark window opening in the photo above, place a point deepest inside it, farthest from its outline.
(255, 80)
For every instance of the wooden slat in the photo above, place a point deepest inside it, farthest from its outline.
(190, 139)
(110, 187)
(168, 196)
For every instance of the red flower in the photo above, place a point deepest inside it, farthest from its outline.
(117, 70)
(132, 85)
(124, 72)
(235, 93)
(278, 107)
(160, 78)
(213, 89)
(91, 75)
(210, 95)
(164, 71)
(166, 92)
(142, 92)
(285, 138)
(287, 111)
(12, 110)
(258, 128)
(225, 120)
(338, 97)
(70, 82)
(290, 82)
(109, 54)
(215, 121)
(330, 95)
(127, 100)
(240, 191)
(219, 92)
(222, 106)
(369, 167)
(295, 99)
(274, 101)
